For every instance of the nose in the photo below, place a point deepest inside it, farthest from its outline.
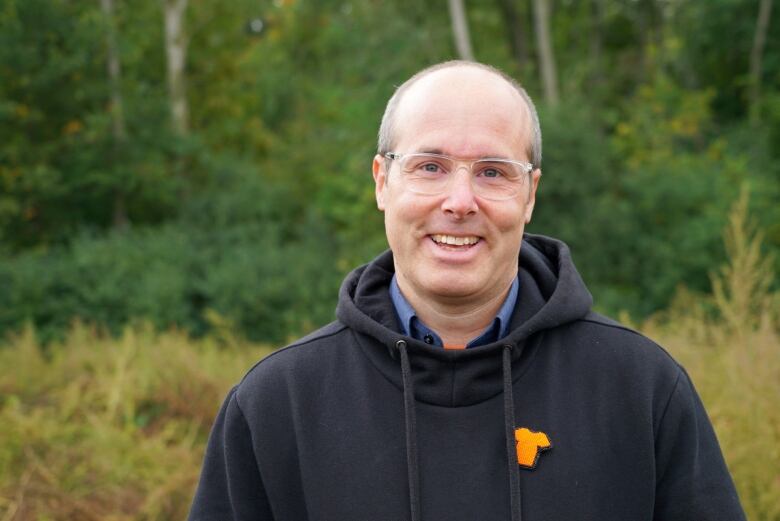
(460, 200)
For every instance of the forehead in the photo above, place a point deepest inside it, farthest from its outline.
(463, 111)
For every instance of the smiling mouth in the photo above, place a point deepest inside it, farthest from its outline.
(454, 242)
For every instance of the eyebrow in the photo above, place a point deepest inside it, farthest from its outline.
(430, 151)
(441, 153)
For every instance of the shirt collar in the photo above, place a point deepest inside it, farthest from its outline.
(412, 326)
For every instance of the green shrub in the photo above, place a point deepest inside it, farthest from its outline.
(240, 251)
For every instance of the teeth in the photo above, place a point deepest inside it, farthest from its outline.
(455, 241)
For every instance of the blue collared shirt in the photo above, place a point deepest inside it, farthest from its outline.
(412, 326)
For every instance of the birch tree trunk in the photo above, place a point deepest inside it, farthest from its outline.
(545, 51)
(116, 108)
(756, 56)
(176, 51)
(460, 30)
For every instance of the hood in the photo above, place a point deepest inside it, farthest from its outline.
(551, 294)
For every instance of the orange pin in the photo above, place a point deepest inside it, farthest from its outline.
(530, 445)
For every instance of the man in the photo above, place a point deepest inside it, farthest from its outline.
(466, 377)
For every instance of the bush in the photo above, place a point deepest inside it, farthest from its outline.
(641, 194)
(240, 252)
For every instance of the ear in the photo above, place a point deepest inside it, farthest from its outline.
(536, 175)
(380, 180)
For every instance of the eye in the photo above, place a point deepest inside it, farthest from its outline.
(427, 166)
(491, 172)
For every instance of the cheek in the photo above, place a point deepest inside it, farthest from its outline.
(511, 219)
(404, 211)
(397, 227)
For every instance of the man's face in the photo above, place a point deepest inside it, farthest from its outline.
(468, 114)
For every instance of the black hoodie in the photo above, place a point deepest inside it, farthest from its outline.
(359, 422)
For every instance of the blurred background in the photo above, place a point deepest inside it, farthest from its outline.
(183, 186)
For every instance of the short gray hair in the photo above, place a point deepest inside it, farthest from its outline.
(388, 127)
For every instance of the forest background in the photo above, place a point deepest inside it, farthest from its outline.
(194, 177)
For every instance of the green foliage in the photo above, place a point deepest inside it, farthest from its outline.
(715, 40)
(240, 251)
(60, 168)
(676, 188)
(642, 156)
(641, 194)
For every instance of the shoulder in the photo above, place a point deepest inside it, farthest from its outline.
(296, 362)
(616, 339)
(608, 350)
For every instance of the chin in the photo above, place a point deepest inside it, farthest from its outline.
(446, 287)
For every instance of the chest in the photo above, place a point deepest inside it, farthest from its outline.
(350, 462)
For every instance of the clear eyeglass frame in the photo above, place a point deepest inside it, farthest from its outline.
(428, 182)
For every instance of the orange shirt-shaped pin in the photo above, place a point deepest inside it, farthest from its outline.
(530, 445)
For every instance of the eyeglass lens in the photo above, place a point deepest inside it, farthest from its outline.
(431, 174)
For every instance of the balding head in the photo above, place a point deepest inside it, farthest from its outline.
(491, 81)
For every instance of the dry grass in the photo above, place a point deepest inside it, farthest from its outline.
(114, 429)
(730, 344)
(99, 428)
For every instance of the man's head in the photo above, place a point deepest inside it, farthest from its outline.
(387, 129)
(467, 111)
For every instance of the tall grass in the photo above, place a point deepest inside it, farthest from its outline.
(730, 344)
(109, 429)
(97, 428)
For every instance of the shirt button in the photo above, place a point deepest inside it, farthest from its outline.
(428, 339)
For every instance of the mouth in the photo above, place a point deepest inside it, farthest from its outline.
(455, 242)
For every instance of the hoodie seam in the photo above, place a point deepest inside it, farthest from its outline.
(234, 393)
(635, 333)
(679, 369)
(657, 427)
(291, 346)
(666, 407)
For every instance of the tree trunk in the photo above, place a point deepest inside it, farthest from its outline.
(176, 51)
(119, 132)
(515, 32)
(756, 57)
(460, 30)
(545, 51)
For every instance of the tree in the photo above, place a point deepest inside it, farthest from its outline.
(116, 109)
(756, 55)
(545, 51)
(460, 29)
(176, 51)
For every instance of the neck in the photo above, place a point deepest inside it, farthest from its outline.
(456, 320)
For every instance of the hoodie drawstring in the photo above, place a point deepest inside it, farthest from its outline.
(411, 433)
(509, 433)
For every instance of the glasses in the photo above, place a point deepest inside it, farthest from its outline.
(492, 178)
